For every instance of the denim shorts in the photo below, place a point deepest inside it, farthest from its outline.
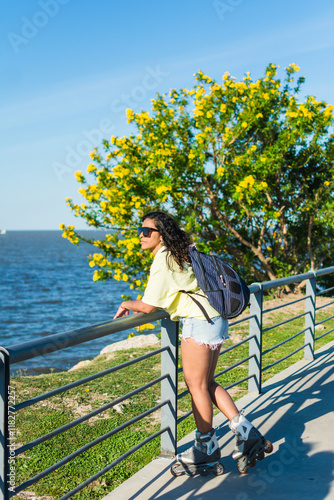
(209, 334)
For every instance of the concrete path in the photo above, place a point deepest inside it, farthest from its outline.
(295, 412)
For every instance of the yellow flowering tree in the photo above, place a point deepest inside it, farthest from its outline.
(244, 166)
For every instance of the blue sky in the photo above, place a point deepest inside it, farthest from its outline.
(70, 69)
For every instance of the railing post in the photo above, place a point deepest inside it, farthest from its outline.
(255, 344)
(310, 317)
(169, 364)
(4, 450)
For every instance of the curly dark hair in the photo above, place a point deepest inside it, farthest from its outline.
(175, 239)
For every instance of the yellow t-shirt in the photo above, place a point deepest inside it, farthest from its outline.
(163, 288)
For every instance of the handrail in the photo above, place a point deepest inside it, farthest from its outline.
(57, 341)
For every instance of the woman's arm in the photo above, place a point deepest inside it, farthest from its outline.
(135, 306)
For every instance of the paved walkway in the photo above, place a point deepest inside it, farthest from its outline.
(295, 412)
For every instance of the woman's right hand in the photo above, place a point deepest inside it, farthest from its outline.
(122, 311)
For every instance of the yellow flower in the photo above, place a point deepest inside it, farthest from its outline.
(326, 183)
(90, 168)
(62, 226)
(78, 175)
(129, 114)
(162, 189)
(244, 124)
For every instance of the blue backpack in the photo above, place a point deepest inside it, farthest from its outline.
(225, 290)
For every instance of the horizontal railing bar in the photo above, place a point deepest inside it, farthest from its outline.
(254, 287)
(86, 447)
(241, 320)
(285, 357)
(239, 382)
(324, 334)
(186, 415)
(57, 341)
(184, 393)
(324, 321)
(322, 307)
(283, 305)
(325, 291)
(267, 285)
(326, 270)
(234, 366)
(234, 346)
(79, 420)
(113, 464)
(283, 322)
(284, 341)
(85, 380)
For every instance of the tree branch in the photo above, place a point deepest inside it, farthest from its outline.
(235, 233)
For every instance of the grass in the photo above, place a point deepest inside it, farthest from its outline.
(45, 416)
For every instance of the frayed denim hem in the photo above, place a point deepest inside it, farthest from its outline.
(213, 346)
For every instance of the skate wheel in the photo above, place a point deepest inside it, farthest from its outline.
(175, 470)
(219, 470)
(190, 473)
(242, 470)
(252, 463)
(260, 457)
(268, 447)
(204, 472)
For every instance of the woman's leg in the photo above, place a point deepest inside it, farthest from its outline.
(199, 364)
(197, 361)
(219, 396)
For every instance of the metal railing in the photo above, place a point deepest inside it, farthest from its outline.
(168, 379)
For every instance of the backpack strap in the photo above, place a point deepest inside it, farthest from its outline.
(190, 294)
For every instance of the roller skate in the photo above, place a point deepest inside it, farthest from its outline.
(250, 444)
(202, 458)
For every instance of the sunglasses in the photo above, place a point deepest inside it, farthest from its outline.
(147, 231)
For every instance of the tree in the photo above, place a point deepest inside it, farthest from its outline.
(244, 166)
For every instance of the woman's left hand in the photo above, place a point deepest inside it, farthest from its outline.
(122, 311)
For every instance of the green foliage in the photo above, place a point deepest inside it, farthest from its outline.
(244, 166)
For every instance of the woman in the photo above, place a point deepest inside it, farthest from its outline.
(200, 341)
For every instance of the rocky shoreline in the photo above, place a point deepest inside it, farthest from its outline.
(131, 343)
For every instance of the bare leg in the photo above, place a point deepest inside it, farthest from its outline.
(196, 361)
(219, 396)
(199, 363)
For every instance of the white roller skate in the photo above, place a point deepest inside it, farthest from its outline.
(202, 458)
(250, 444)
